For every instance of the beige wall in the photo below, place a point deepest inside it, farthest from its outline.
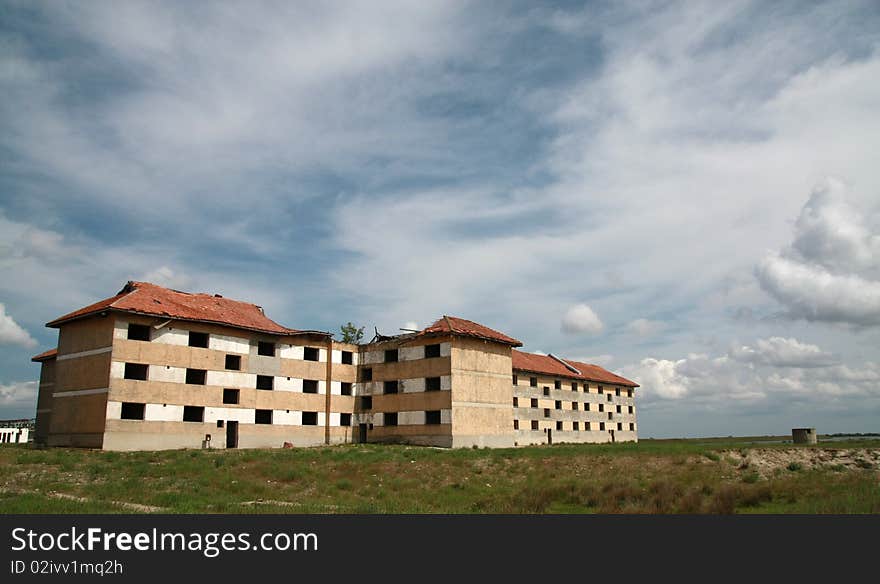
(482, 413)
(45, 401)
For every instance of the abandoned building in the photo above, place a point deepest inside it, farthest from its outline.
(152, 368)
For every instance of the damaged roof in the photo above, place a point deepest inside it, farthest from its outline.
(552, 366)
(45, 356)
(467, 328)
(152, 300)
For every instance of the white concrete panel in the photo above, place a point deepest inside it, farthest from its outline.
(336, 388)
(445, 416)
(230, 379)
(114, 410)
(291, 352)
(445, 382)
(322, 355)
(167, 373)
(378, 419)
(243, 415)
(336, 356)
(445, 349)
(163, 413)
(171, 336)
(322, 387)
(412, 385)
(411, 353)
(370, 388)
(410, 418)
(286, 418)
(289, 384)
(117, 370)
(120, 330)
(322, 418)
(229, 344)
(371, 357)
(334, 418)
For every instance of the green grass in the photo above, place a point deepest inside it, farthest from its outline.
(652, 476)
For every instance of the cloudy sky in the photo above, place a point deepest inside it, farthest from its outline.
(685, 193)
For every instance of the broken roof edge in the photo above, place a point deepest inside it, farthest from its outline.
(47, 355)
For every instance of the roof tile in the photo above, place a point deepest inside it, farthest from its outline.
(546, 364)
(469, 328)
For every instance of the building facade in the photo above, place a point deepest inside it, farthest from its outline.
(152, 368)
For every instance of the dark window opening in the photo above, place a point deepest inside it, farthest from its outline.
(347, 358)
(367, 374)
(198, 339)
(136, 371)
(632, 427)
(231, 396)
(366, 402)
(601, 425)
(138, 332)
(629, 393)
(619, 426)
(630, 409)
(557, 384)
(310, 419)
(345, 388)
(618, 409)
(617, 392)
(610, 415)
(391, 356)
(516, 424)
(610, 397)
(533, 381)
(587, 426)
(587, 406)
(432, 417)
(546, 412)
(219, 423)
(559, 425)
(558, 404)
(265, 348)
(534, 424)
(233, 362)
(574, 406)
(432, 384)
(132, 411)
(310, 386)
(574, 386)
(265, 382)
(310, 354)
(516, 402)
(575, 426)
(601, 407)
(196, 376)
(389, 419)
(432, 351)
(546, 390)
(263, 417)
(390, 387)
(345, 419)
(600, 389)
(515, 380)
(193, 414)
(534, 403)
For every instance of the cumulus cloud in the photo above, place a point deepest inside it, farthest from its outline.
(830, 271)
(168, 277)
(645, 328)
(11, 333)
(411, 325)
(782, 352)
(580, 318)
(18, 396)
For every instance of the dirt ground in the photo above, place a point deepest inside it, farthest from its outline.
(766, 461)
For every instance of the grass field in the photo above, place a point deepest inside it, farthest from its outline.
(724, 475)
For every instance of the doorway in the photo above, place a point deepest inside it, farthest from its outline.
(231, 434)
(362, 434)
(612, 436)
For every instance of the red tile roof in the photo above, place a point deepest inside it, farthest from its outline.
(45, 355)
(150, 299)
(468, 328)
(547, 364)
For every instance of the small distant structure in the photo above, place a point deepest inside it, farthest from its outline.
(803, 435)
(13, 435)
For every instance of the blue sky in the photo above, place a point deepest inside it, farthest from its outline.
(686, 193)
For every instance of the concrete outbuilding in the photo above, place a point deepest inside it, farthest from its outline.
(803, 435)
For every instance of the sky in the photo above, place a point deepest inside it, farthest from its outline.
(686, 193)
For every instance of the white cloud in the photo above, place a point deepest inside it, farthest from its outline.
(580, 318)
(11, 332)
(18, 395)
(165, 276)
(645, 328)
(831, 270)
(601, 360)
(411, 325)
(782, 352)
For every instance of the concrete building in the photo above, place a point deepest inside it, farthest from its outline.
(152, 368)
